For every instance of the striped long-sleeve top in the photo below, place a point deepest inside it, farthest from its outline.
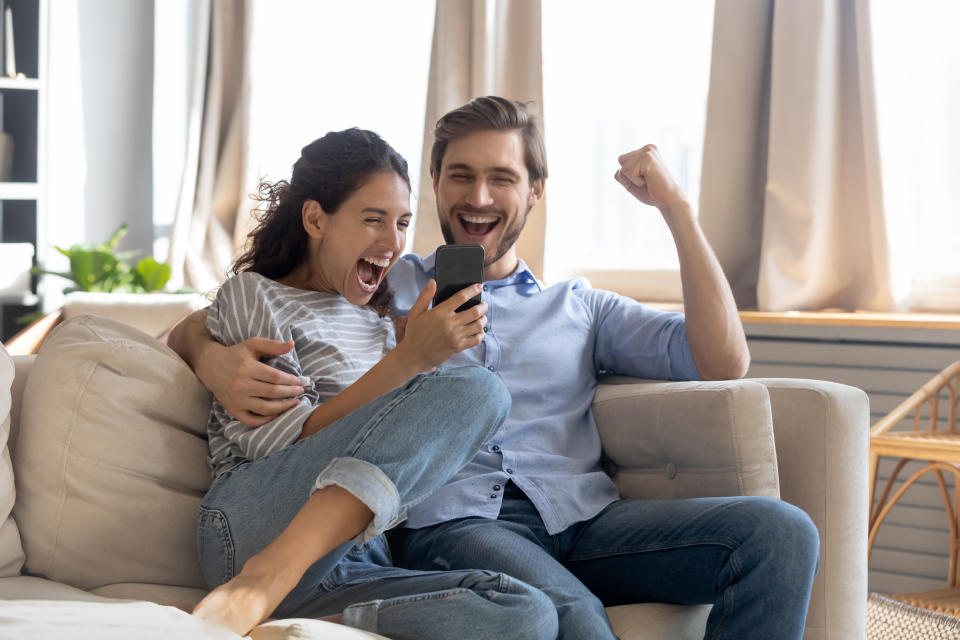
(335, 342)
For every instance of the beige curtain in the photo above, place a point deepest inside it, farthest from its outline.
(790, 194)
(481, 47)
(212, 207)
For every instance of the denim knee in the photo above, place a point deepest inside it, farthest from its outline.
(477, 382)
(533, 612)
(786, 530)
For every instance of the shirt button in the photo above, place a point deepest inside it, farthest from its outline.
(496, 487)
(485, 329)
(495, 447)
(509, 470)
(493, 495)
(490, 367)
(484, 287)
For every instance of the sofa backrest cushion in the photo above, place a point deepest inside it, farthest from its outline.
(111, 459)
(11, 552)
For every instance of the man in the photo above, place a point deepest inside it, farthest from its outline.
(534, 503)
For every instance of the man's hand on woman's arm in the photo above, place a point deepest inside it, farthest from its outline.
(251, 391)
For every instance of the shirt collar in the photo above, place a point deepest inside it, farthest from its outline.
(520, 275)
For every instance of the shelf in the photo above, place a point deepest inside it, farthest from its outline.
(19, 83)
(19, 191)
(26, 300)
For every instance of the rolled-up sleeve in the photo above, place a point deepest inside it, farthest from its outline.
(635, 340)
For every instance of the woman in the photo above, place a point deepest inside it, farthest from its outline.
(378, 427)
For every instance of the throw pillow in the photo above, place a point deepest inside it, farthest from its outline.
(11, 551)
(111, 459)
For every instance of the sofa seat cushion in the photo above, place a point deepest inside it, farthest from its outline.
(11, 551)
(111, 459)
(655, 620)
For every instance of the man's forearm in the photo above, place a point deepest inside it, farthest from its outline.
(189, 336)
(714, 329)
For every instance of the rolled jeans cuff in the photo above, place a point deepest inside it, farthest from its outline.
(369, 485)
(363, 616)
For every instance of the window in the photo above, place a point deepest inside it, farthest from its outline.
(917, 77)
(616, 77)
(325, 66)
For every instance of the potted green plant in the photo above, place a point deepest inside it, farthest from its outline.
(100, 268)
(106, 282)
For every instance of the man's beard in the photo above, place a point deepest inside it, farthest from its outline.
(507, 240)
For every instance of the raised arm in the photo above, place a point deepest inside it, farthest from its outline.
(246, 387)
(714, 330)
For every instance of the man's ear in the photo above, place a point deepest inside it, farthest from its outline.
(314, 219)
(436, 182)
(536, 191)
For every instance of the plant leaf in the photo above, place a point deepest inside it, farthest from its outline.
(152, 275)
(90, 268)
(121, 231)
(37, 271)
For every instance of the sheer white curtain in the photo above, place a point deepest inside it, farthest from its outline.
(481, 47)
(790, 196)
(210, 169)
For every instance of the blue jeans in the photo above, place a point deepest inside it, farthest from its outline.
(753, 558)
(391, 454)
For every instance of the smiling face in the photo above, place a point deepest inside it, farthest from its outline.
(351, 250)
(484, 195)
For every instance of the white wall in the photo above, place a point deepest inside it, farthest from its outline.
(100, 83)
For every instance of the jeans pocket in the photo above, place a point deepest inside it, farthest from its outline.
(215, 548)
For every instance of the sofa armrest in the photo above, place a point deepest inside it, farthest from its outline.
(822, 432)
(669, 440)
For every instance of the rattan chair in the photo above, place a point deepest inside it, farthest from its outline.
(940, 449)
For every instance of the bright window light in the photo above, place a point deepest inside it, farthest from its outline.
(917, 77)
(617, 76)
(326, 66)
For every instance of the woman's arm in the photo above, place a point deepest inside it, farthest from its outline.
(251, 391)
(431, 337)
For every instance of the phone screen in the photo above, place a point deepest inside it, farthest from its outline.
(458, 266)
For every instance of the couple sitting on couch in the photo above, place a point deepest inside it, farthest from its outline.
(510, 526)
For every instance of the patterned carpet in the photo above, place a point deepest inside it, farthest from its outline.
(889, 619)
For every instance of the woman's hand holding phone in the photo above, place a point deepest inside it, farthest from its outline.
(432, 336)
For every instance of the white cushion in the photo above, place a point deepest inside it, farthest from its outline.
(111, 459)
(11, 551)
(105, 620)
(98, 622)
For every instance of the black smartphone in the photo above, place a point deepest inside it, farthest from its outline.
(458, 266)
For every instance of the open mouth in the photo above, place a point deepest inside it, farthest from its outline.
(370, 272)
(478, 225)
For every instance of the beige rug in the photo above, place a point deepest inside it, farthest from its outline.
(889, 619)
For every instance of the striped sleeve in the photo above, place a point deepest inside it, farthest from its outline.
(242, 310)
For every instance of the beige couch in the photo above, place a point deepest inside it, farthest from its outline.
(107, 435)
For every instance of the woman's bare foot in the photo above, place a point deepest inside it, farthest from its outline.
(247, 599)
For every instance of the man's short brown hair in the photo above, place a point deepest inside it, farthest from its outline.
(492, 113)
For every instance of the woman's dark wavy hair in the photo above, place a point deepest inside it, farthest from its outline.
(330, 170)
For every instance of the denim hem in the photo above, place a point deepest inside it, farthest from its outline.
(371, 486)
(362, 615)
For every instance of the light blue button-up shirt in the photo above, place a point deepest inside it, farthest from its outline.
(548, 345)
